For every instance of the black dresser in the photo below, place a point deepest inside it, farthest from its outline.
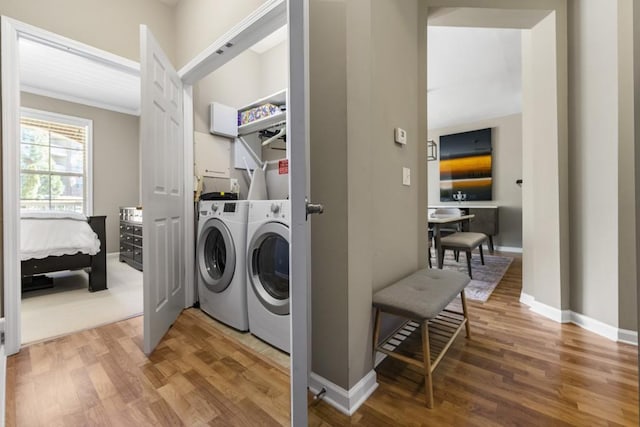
(131, 236)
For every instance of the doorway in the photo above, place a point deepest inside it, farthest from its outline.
(76, 127)
(544, 115)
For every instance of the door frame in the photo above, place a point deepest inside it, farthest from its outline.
(12, 30)
(272, 15)
(295, 13)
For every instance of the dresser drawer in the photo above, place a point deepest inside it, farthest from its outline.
(137, 241)
(126, 250)
(137, 230)
(137, 255)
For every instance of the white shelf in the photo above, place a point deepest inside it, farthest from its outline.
(278, 98)
(261, 124)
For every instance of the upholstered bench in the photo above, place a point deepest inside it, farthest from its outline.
(423, 296)
(463, 241)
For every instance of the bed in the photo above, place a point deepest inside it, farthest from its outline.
(59, 241)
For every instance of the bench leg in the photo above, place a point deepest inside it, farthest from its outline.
(463, 298)
(376, 333)
(481, 254)
(428, 383)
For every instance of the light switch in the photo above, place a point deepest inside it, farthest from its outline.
(406, 176)
(400, 135)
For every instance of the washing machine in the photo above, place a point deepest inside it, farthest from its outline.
(268, 271)
(220, 257)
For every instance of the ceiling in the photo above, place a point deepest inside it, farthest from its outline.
(58, 72)
(51, 70)
(473, 74)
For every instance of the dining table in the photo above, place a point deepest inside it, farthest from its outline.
(436, 221)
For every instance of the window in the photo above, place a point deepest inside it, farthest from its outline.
(55, 154)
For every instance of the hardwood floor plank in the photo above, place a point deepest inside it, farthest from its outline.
(518, 369)
(86, 392)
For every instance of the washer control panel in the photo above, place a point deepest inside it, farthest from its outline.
(275, 209)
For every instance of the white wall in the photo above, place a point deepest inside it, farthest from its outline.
(507, 168)
(246, 78)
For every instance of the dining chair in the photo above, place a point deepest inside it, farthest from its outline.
(453, 228)
(465, 241)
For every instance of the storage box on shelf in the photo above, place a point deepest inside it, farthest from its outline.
(267, 117)
(131, 236)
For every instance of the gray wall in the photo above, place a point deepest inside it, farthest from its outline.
(329, 232)
(544, 193)
(112, 25)
(601, 73)
(115, 158)
(369, 235)
(507, 168)
(626, 216)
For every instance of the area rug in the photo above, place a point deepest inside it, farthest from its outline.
(485, 277)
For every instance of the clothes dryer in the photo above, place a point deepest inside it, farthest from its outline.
(220, 255)
(268, 271)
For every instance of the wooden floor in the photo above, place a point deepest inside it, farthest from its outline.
(518, 369)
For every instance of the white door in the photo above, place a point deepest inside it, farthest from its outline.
(300, 272)
(163, 198)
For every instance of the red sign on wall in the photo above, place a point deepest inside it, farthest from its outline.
(283, 167)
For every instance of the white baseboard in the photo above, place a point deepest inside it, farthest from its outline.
(111, 255)
(627, 336)
(513, 249)
(345, 401)
(586, 322)
(560, 316)
(594, 325)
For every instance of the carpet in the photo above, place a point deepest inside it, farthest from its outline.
(70, 307)
(485, 277)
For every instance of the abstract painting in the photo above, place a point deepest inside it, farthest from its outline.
(466, 166)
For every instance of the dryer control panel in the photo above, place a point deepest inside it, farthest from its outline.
(277, 210)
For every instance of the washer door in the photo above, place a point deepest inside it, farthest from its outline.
(268, 263)
(216, 255)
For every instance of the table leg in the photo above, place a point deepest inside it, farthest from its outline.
(436, 237)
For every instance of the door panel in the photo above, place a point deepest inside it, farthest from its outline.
(163, 200)
(299, 259)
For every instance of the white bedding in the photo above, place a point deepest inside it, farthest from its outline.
(44, 234)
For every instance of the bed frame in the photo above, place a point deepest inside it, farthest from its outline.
(95, 266)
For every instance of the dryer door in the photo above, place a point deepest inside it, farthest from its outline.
(216, 255)
(268, 264)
